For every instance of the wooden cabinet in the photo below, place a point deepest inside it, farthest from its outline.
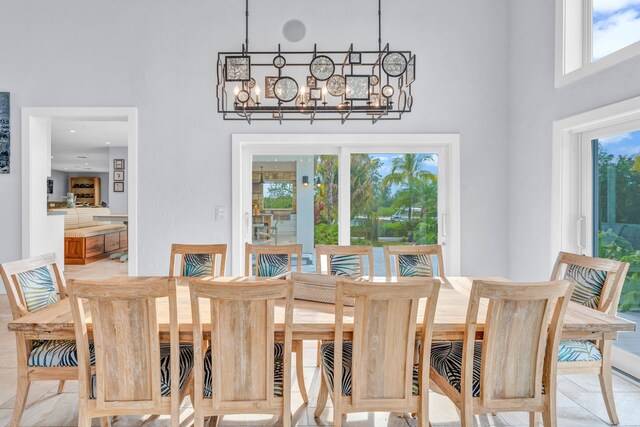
(86, 189)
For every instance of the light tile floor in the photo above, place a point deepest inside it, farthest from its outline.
(579, 400)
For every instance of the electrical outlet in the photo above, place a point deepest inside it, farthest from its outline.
(221, 214)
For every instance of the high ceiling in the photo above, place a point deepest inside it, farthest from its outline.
(80, 145)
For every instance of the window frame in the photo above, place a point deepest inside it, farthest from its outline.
(574, 43)
(446, 146)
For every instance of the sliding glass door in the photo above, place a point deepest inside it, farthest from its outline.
(616, 225)
(349, 190)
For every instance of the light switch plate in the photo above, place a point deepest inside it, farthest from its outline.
(221, 214)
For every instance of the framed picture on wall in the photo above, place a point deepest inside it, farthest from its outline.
(118, 175)
(118, 164)
(118, 187)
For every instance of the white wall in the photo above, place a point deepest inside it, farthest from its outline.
(60, 185)
(535, 104)
(162, 60)
(118, 201)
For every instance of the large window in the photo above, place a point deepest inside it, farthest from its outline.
(348, 190)
(616, 224)
(594, 34)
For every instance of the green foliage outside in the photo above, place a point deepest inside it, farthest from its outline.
(626, 172)
(375, 199)
(278, 195)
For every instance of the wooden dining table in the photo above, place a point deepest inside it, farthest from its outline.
(315, 320)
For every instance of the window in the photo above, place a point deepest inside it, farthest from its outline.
(594, 34)
(596, 188)
(349, 190)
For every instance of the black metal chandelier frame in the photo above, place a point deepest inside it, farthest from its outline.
(336, 85)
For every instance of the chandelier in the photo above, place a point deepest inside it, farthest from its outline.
(315, 85)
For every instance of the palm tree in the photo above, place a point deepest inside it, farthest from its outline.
(407, 172)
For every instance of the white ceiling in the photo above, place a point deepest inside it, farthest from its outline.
(89, 140)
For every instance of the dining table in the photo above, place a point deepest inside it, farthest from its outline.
(316, 320)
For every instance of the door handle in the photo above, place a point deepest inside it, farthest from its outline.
(443, 226)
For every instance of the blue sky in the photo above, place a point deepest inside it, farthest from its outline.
(623, 144)
(387, 159)
(616, 24)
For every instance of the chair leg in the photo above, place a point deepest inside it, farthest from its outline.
(22, 391)
(532, 419)
(322, 398)
(213, 421)
(466, 415)
(318, 355)
(300, 371)
(423, 412)
(606, 382)
(84, 420)
(105, 422)
(60, 386)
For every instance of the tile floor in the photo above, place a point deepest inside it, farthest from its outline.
(579, 399)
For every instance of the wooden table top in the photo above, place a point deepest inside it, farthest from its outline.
(313, 320)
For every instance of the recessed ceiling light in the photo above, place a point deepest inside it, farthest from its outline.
(81, 157)
(66, 169)
(52, 157)
(72, 131)
(108, 142)
(86, 164)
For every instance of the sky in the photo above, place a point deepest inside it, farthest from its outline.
(616, 24)
(623, 144)
(387, 159)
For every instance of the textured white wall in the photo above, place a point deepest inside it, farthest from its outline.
(535, 104)
(161, 58)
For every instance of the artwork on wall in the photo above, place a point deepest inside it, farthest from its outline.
(118, 175)
(49, 186)
(5, 133)
(118, 164)
(118, 187)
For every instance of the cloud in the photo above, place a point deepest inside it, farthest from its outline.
(615, 32)
(609, 6)
(615, 138)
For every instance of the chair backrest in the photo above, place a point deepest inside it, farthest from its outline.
(271, 260)
(598, 281)
(242, 343)
(126, 341)
(413, 261)
(384, 335)
(520, 345)
(345, 260)
(198, 260)
(32, 283)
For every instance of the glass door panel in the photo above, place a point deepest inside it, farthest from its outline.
(617, 220)
(294, 199)
(394, 201)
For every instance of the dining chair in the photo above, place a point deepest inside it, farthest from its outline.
(598, 285)
(378, 371)
(514, 366)
(197, 260)
(275, 261)
(271, 260)
(134, 373)
(244, 371)
(31, 285)
(413, 261)
(345, 260)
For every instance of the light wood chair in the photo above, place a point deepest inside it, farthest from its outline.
(275, 261)
(413, 261)
(198, 260)
(244, 371)
(271, 260)
(32, 284)
(134, 373)
(598, 285)
(514, 367)
(379, 373)
(345, 260)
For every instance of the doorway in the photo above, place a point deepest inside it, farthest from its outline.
(45, 218)
(346, 189)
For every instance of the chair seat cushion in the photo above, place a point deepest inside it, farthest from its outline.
(327, 352)
(578, 351)
(446, 360)
(49, 353)
(278, 371)
(186, 366)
